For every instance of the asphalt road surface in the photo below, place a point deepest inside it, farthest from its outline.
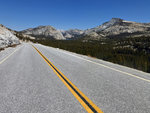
(50, 80)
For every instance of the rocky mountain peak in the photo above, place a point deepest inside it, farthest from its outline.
(72, 33)
(1, 25)
(46, 27)
(44, 32)
(113, 21)
(112, 28)
(116, 20)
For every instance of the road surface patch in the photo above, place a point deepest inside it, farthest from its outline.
(117, 70)
(84, 100)
(9, 56)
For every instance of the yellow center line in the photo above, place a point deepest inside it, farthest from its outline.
(89, 106)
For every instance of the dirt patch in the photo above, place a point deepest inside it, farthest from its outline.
(91, 56)
(1, 49)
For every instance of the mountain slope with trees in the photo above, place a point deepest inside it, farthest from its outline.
(118, 41)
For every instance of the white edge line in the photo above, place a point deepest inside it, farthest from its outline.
(109, 67)
(9, 55)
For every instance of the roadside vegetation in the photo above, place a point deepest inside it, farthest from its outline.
(14, 45)
(131, 52)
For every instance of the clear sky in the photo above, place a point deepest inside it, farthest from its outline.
(66, 14)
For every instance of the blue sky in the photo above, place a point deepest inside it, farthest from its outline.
(67, 14)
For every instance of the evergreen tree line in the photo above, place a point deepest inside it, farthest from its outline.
(124, 56)
(131, 52)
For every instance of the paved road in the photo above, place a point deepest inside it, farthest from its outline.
(29, 85)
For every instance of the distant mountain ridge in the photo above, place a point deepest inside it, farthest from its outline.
(72, 33)
(116, 27)
(44, 31)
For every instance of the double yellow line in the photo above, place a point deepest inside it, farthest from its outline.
(89, 106)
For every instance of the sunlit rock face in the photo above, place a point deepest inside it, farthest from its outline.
(117, 26)
(72, 33)
(44, 32)
(114, 27)
(7, 38)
